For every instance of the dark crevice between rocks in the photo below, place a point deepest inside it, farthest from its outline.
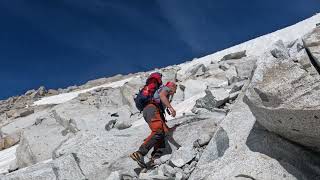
(76, 158)
(245, 176)
(56, 173)
(312, 59)
(295, 158)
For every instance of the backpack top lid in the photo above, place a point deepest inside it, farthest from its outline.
(157, 76)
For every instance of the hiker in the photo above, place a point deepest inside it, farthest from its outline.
(153, 114)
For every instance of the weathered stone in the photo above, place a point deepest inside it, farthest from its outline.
(84, 96)
(312, 43)
(285, 99)
(203, 140)
(53, 92)
(227, 155)
(182, 156)
(193, 87)
(167, 170)
(67, 167)
(11, 140)
(192, 72)
(30, 92)
(232, 75)
(213, 99)
(224, 66)
(122, 125)
(236, 86)
(279, 50)
(62, 168)
(244, 67)
(22, 112)
(38, 142)
(39, 93)
(37, 172)
(235, 55)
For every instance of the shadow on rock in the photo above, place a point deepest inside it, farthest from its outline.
(296, 159)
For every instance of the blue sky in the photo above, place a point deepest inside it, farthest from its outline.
(65, 42)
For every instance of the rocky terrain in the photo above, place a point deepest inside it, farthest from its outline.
(247, 112)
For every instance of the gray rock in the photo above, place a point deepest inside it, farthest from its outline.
(244, 67)
(199, 70)
(38, 142)
(192, 72)
(232, 75)
(182, 156)
(286, 102)
(235, 55)
(193, 87)
(167, 170)
(234, 96)
(122, 125)
(114, 176)
(213, 99)
(22, 112)
(154, 174)
(53, 92)
(39, 93)
(165, 158)
(37, 172)
(9, 140)
(203, 140)
(28, 93)
(228, 156)
(84, 96)
(207, 102)
(63, 168)
(312, 43)
(279, 50)
(236, 86)
(224, 66)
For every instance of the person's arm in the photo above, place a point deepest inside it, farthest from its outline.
(166, 102)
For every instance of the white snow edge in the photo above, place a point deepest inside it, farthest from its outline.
(62, 98)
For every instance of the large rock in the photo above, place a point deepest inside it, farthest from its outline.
(9, 140)
(244, 66)
(213, 99)
(192, 72)
(65, 167)
(22, 112)
(285, 99)
(39, 141)
(183, 156)
(312, 43)
(279, 50)
(236, 152)
(235, 55)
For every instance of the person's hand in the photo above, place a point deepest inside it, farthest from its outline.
(172, 111)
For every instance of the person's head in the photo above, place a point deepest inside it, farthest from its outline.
(172, 86)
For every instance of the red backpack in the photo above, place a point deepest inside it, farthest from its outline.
(145, 95)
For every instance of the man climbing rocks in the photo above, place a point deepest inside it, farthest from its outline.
(153, 114)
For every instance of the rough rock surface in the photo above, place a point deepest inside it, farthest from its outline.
(285, 99)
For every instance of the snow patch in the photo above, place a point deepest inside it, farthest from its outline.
(62, 98)
(7, 157)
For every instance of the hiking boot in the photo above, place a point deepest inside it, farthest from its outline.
(136, 156)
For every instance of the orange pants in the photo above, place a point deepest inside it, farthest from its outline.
(156, 121)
